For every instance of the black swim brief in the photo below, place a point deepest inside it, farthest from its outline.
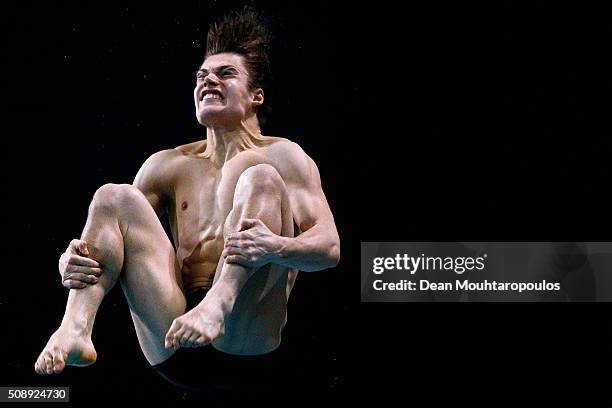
(207, 369)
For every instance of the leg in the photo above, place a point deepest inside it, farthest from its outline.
(124, 235)
(252, 325)
(260, 310)
(261, 193)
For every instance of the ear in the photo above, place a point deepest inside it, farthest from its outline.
(258, 98)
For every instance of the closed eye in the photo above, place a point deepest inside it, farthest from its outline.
(228, 72)
(222, 72)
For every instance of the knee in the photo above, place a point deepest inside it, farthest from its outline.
(260, 178)
(111, 197)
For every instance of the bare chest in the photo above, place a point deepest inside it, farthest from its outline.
(203, 198)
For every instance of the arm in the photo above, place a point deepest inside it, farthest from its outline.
(76, 269)
(153, 179)
(317, 248)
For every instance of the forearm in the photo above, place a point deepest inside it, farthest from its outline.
(314, 250)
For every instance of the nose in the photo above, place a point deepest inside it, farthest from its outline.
(211, 79)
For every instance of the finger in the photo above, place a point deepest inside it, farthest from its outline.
(237, 243)
(81, 277)
(86, 270)
(236, 236)
(72, 284)
(231, 251)
(236, 259)
(83, 261)
(78, 246)
(83, 248)
(248, 223)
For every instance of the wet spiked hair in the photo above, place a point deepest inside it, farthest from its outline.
(243, 32)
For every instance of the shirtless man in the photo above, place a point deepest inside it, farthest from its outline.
(246, 212)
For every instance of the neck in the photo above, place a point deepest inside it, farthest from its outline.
(223, 143)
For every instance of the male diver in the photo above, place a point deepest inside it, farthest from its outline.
(246, 212)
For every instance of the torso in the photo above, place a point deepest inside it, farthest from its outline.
(202, 199)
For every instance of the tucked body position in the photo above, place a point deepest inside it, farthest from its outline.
(246, 212)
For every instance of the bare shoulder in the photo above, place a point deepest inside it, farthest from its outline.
(162, 159)
(291, 160)
(157, 168)
(192, 148)
(286, 151)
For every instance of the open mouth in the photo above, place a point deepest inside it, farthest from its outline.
(211, 95)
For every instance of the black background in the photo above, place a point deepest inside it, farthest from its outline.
(438, 123)
(491, 124)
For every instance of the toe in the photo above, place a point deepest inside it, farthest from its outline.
(178, 338)
(184, 339)
(171, 334)
(168, 340)
(40, 364)
(58, 362)
(191, 339)
(172, 341)
(201, 341)
(48, 368)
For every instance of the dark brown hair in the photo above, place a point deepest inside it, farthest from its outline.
(244, 32)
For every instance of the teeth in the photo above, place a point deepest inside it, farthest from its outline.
(212, 96)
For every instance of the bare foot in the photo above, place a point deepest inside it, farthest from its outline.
(196, 328)
(65, 347)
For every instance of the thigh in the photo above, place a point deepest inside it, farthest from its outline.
(259, 285)
(150, 278)
(259, 312)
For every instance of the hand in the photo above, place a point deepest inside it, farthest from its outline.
(76, 270)
(254, 246)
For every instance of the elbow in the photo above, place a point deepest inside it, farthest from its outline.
(334, 254)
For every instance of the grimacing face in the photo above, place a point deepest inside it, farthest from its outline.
(221, 95)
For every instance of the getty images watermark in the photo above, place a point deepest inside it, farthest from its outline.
(458, 265)
(392, 271)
